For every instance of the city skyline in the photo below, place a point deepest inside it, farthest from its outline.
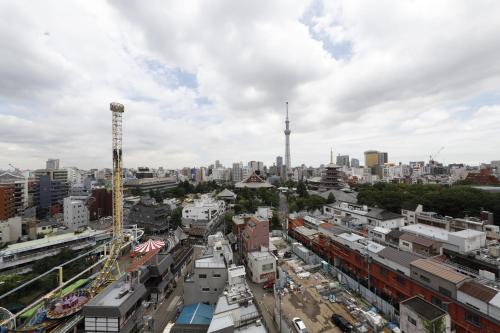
(209, 83)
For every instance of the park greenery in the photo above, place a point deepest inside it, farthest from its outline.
(454, 201)
(302, 200)
(248, 200)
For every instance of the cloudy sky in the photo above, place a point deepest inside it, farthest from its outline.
(207, 80)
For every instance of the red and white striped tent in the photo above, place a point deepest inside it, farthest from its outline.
(149, 246)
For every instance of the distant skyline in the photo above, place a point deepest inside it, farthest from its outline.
(204, 81)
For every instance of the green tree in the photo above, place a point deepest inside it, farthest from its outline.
(176, 217)
(331, 198)
(302, 190)
(436, 326)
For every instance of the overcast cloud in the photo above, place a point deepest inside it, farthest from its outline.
(207, 80)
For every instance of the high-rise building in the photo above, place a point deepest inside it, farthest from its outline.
(52, 164)
(354, 163)
(279, 165)
(343, 160)
(371, 158)
(287, 146)
(7, 201)
(383, 158)
(218, 164)
(237, 172)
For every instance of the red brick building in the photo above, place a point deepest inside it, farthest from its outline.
(7, 201)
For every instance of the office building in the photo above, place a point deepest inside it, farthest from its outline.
(52, 164)
(7, 201)
(371, 158)
(279, 165)
(145, 185)
(76, 213)
(383, 158)
(203, 214)
(237, 172)
(343, 160)
(354, 163)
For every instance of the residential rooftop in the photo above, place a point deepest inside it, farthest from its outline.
(424, 309)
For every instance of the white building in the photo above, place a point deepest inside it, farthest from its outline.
(76, 214)
(262, 266)
(10, 230)
(202, 212)
(354, 215)
(459, 241)
(75, 176)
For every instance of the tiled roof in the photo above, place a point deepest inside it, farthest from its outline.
(439, 270)
(478, 291)
(402, 258)
(418, 240)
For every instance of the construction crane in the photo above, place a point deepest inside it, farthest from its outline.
(432, 157)
(105, 274)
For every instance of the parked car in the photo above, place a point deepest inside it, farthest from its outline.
(299, 325)
(342, 323)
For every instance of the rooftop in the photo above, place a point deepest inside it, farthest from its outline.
(49, 240)
(382, 230)
(467, 233)
(479, 291)
(402, 258)
(439, 270)
(306, 231)
(423, 308)
(197, 314)
(417, 240)
(427, 231)
(351, 237)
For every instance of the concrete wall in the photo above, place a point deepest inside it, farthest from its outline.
(194, 289)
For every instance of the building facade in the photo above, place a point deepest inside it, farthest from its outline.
(76, 213)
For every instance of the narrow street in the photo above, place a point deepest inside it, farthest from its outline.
(267, 311)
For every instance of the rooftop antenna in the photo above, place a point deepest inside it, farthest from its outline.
(331, 155)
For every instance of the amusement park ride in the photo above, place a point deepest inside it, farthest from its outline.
(58, 308)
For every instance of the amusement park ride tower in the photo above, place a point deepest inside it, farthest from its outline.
(111, 262)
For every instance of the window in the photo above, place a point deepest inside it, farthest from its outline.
(383, 271)
(267, 267)
(412, 321)
(205, 289)
(472, 318)
(202, 276)
(445, 291)
(216, 275)
(425, 279)
(401, 280)
(436, 301)
(405, 243)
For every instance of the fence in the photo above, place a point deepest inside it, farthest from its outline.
(367, 294)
